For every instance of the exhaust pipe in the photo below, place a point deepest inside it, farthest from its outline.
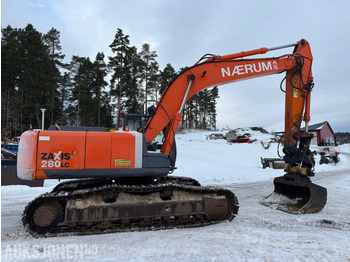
(296, 194)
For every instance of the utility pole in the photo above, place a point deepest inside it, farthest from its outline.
(42, 118)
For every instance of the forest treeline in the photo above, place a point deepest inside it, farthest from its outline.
(35, 75)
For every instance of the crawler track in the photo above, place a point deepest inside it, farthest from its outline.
(95, 206)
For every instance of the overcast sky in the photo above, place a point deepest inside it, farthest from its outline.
(181, 31)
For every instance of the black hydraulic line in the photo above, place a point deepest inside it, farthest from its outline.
(173, 152)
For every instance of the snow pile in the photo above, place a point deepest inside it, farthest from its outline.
(343, 148)
(281, 199)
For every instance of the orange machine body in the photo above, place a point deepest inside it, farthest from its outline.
(73, 154)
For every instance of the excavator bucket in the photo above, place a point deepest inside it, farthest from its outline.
(296, 195)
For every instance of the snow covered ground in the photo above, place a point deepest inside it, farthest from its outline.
(258, 233)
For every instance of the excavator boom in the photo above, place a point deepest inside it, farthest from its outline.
(220, 70)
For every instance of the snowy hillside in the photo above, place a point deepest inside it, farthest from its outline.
(216, 162)
(258, 233)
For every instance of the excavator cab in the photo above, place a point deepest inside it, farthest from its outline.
(136, 122)
(133, 122)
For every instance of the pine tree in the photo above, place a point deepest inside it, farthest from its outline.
(106, 110)
(52, 40)
(11, 61)
(82, 92)
(36, 77)
(65, 87)
(100, 72)
(166, 76)
(150, 72)
(132, 90)
(120, 68)
(214, 95)
(30, 78)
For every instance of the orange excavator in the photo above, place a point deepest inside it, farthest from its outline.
(121, 182)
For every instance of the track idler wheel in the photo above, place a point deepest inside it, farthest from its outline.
(296, 194)
(42, 216)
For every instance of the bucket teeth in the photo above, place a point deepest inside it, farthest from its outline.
(296, 194)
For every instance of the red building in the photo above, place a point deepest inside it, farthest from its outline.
(323, 134)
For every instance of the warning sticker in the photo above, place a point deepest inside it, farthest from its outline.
(122, 162)
(295, 93)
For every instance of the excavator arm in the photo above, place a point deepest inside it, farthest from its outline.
(220, 70)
